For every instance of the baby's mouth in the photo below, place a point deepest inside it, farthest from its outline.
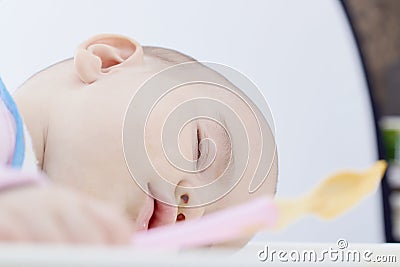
(155, 213)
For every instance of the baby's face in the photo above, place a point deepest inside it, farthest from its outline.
(75, 116)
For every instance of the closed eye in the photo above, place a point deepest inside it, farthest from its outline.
(202, 149)
(198, 144)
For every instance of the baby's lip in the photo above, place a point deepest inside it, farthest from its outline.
(163, 214)
(155, 213)
(142, 222)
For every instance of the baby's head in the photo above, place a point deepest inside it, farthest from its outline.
(75, 112)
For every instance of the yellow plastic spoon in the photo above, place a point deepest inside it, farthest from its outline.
(333, 196)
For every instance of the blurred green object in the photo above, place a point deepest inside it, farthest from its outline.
(390, 127)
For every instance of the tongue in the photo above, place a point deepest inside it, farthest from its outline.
(163, 214)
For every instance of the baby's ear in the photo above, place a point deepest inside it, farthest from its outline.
(105, 53)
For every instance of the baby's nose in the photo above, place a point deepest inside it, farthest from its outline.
(174, 205)
(163, 192)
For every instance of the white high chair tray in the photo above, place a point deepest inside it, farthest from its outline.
(73, 256)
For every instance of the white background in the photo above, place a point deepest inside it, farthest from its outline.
(300, 53)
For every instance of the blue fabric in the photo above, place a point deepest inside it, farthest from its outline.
(19, 150)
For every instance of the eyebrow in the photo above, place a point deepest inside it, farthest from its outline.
(228, 159)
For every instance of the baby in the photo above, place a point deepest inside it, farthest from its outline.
(75, 112)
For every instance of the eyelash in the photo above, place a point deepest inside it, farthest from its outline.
(198, 144)
(203, 151)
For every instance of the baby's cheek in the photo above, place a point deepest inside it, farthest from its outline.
(215, 169)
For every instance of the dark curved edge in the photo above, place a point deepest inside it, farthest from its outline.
(381, 153)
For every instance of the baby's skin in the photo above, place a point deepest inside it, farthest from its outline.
(35, 210)
(75, 109)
